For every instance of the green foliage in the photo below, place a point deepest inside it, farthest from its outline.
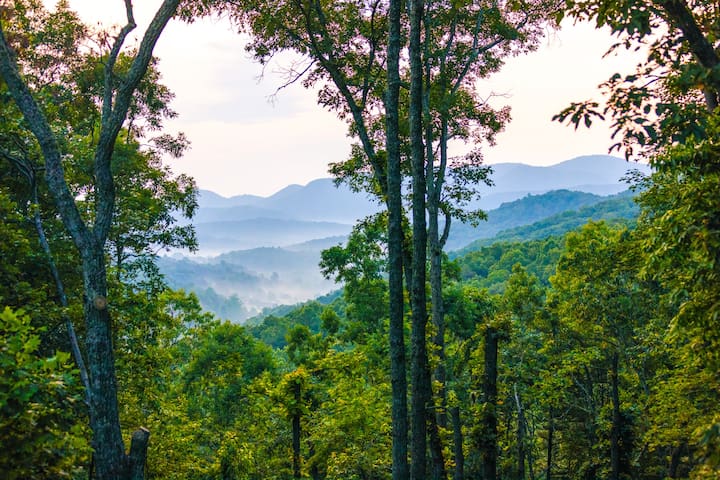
(490, 267)
(39, 403)
(616, 210)
(665, 101)
(529, 210)
(221, 365)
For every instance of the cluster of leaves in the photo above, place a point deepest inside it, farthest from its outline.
(41, 426)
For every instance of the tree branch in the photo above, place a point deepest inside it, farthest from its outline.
(113, 119)
(40, 128)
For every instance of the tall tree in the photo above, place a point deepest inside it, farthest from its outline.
(667, 111)
(395, 244)
(598, 301)
(345, 45)
(110, 459)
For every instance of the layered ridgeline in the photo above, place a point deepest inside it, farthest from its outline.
(259, 252)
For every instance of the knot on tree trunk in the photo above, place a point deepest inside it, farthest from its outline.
(100, 302)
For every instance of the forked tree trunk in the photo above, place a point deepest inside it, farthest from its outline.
(110, 460)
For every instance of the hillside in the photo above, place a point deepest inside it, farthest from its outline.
(242, 283)
(526, 210)
(620, 208)
(320, 209)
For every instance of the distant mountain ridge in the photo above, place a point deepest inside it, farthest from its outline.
(266, 249)
(321, 200)
(523, 211)
(614, 209)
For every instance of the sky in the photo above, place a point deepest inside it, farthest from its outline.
(247, 141)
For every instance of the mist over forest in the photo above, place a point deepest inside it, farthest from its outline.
(418, 315)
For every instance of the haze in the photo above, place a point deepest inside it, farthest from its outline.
(244, 143)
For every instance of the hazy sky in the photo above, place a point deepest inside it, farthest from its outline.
(243, 143)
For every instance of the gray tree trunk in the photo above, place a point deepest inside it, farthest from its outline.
(421, 388)
(398, 376)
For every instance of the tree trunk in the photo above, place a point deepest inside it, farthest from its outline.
(104, 417)
(436, 449)
(138, 454)
(434, 186)
(109, 459)
(488, 427)
(681, 17)
(675, 457)
(616, 421)
(297, 394)
(520, 436)
(396, 240)
(459, 473)
(421, 386)
(551, 432)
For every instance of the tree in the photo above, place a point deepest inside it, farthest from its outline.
(110, 459)
(39, 400)
(667, 111)
(345, 45)
(673, 93)
(598, 301)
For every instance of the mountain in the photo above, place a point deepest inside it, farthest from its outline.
(320, 209)
(616, 209)
(524, 211)
(218, 237)
(267, 249)
(211, 199)
(319, 200)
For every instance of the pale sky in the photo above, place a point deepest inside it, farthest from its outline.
(244, 144)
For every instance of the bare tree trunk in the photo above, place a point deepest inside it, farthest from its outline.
(616, 421)
(488, 427)
(421, 387)
(138, 453)
(551, 432)
(675, 457)
(459, 473)
(396, 239)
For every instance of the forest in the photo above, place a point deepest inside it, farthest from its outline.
(574, 351)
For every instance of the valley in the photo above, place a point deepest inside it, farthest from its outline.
(256, 253)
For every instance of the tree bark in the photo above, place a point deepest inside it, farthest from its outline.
(421, 387)
(138, 453)
(616, 421)
(459, 473)
(488, 428)
(681, 17)
(398, 376)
